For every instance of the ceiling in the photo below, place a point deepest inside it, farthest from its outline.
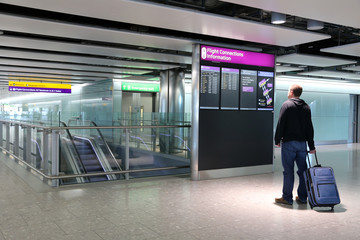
(82, 41)
(338, 12)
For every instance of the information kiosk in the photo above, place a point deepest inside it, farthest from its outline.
(233, 103)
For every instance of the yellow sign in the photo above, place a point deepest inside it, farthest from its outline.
(39, 85)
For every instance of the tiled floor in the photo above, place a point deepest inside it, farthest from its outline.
(175, 207)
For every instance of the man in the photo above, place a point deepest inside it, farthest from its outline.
(293, 130)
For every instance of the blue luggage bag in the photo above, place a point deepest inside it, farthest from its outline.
(321, 186)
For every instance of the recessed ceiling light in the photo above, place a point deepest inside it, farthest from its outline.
(314, 25)
(278, 18)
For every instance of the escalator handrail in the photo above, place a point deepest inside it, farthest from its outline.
(107, 146)
(74, 145)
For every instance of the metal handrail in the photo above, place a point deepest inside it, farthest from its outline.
(74, 145)
(98, 127)
(52, 177)
(119, 127)
(107, 146)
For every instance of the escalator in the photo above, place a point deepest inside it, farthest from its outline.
(86, 154)
(89, 158)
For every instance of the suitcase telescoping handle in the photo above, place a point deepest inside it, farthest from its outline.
(308, 159)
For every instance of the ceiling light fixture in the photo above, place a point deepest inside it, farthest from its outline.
(278, 18)
(314, 25)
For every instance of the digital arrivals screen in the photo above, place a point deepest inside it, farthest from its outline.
(209, 87)
(265, 90)
(248, 88)
(229, 89)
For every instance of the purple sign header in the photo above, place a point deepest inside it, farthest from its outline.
(227, 55)
(43, 90)
(230, 70)
(208, 68)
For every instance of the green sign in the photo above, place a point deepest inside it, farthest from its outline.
(140, 87)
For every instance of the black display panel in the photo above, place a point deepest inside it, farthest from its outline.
(229, 89)
(265, 90)
(229, 139)
(248, 95)
(209, 87)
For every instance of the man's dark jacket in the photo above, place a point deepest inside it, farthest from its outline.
(295, 123)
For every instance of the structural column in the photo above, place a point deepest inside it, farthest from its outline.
(195, 112)
(172, 107)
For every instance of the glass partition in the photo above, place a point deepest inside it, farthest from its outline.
(330, 114)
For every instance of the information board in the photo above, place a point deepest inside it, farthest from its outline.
(209, 87)
(229, 89)
(248, 95)
(265, 90)
(235, 87)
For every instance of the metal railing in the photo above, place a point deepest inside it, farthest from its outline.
(17, 143)
(50, 177)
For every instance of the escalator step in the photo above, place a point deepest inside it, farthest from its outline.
(85, 151)
(88, 157)
(80, 144)
(91, 162)
(84, 148)
(93, 168)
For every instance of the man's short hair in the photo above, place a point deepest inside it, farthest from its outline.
(296, 89)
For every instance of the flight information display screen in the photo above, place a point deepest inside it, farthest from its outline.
(229, 89)
(235, 87)
(265, 90)
(209, 87)
(248, 88)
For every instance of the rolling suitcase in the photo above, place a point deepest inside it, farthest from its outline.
(321, 186)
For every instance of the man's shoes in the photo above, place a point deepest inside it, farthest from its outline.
(300, 201)
(282, 201)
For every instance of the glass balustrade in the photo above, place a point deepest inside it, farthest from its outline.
(79, 151)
